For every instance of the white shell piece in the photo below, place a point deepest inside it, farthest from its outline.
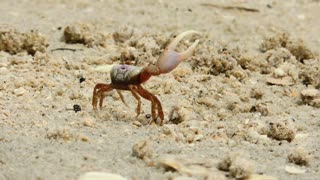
(294, 170)
(101, 176)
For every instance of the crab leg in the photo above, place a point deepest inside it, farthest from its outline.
(122, 98)
(136, 96)
(99, 91)
(155, 103)
(95, 94)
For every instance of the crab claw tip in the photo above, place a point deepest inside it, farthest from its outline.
(177, 39)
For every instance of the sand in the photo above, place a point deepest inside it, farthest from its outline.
(246, 105)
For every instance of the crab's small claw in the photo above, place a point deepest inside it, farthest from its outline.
(170, 59)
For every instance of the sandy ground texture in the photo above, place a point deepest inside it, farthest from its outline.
(245, 106)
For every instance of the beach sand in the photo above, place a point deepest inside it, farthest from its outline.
(245, 105)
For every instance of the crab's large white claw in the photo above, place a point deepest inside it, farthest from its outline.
(170, 59)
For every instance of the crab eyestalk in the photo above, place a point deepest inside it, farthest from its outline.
(170, 58)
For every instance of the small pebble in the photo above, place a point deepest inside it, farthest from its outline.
(279, 72)
(88, 122)
(142, 150)
(299, 156)
(237, 165)
(241, 168)
(4, 70)
(137, 123)
(281, 129)
(20, 91)
(76, 108)
(82, 79)
(198, 137)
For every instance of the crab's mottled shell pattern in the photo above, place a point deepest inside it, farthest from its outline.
(125, 74)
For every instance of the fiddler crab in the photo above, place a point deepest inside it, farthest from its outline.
(129, 78)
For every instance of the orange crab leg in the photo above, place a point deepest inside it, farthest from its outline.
(136, 96)
(122, 98)
(99, 91)
(155, 103)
